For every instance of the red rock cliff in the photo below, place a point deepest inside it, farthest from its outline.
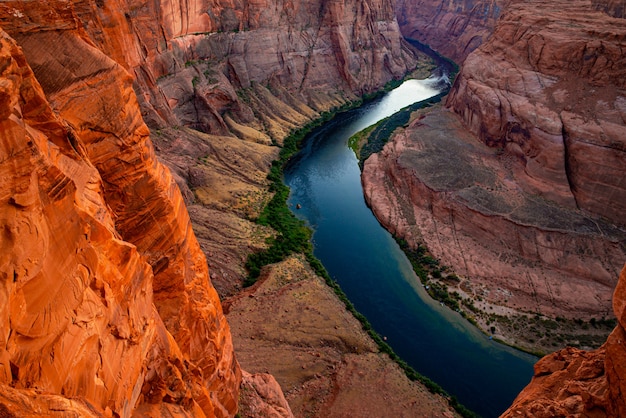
(549, 88)
(191, 57)
(454, 28)
(106, 296)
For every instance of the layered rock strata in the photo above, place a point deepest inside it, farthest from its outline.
(532, 218)
(435, 184)
(454, 28)
(107, 298)
(576, 383)
(549, 89)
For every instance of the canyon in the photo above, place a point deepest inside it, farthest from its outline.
(136, 141)
(516, 186)
(124, 125)
(518, 181)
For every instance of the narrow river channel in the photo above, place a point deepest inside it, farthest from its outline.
(364, 259)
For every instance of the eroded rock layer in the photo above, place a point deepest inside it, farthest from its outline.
(520, 187)
(106, 293)
(549, 89)
(436, 184)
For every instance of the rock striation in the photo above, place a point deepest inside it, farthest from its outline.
(454, 28)
(549, 90)
(576, 383)
(106, 293)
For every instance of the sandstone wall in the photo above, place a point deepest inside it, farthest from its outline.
(454, 28)
(107, 297)
(435, 184)
(192, 58)
(548, 89)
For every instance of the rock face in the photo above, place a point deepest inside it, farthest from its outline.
(194, 59)
(453, 28)
(549, 89)
(528, 205)
(435, 183)
(576, 383)
(106, 294)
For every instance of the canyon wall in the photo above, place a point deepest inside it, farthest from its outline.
(518, 183)
(106, 293)
(454, 28)
(549, 89)
(192, 58)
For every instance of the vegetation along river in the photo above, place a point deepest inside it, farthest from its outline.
(365, 260)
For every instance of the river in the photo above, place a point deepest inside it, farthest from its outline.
(374, 273)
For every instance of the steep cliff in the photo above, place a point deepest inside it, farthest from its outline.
(107, 298)
(576, 383)
(453, 28)
(247, 70)
(549, 89)
(527, 207)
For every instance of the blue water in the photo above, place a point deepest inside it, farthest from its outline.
(377, 277)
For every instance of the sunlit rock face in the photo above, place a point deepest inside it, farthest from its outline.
(106, 294)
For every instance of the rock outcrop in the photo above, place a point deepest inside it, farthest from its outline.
(106, 293)
(528, 205)
(435, 184)
(454, 28)
(324, 361)
(576, 383)
(549, 89)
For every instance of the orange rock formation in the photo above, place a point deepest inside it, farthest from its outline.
(106, 297)
(453, 28)
(575, 383)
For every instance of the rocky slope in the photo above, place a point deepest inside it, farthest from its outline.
(576, 383)
(539, 197)
(318, 352)
(454, 28)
